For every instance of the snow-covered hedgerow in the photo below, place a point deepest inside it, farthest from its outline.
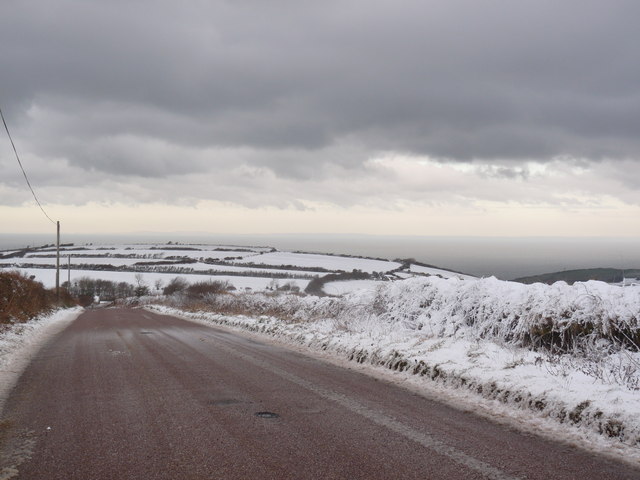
(566, 352)
(558, 318)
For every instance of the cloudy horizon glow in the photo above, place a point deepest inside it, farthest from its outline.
(413, 118)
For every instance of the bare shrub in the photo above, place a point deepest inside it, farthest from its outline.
(22, 298)
(200, 290)
(177, 284)
(289, 287)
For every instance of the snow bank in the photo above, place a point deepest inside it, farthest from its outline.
(19, 342)
(565, 352)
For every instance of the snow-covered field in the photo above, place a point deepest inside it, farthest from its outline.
(46, 261)
(328, 262)
(202, 267)
(131, 262)
(255, 268)
(48, 278)
(348, 286)
(436, 271)
(165, 250)
(477, 338)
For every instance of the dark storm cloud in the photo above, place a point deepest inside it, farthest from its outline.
(458, 80)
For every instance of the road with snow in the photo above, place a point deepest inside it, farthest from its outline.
(128, 394)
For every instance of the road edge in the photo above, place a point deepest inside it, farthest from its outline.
(22, 342)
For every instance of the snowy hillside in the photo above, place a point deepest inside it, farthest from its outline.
(245, 268)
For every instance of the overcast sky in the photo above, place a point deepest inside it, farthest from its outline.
(455, 117)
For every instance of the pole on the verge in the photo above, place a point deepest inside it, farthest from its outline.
(58, 261)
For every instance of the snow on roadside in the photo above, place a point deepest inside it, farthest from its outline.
(467, 336)
(19, 342)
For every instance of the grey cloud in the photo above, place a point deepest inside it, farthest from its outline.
(159, 89)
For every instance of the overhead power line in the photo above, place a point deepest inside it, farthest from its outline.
(22, 168)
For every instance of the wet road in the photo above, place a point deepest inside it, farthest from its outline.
(128, 394)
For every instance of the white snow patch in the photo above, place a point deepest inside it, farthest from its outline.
(328, 262)
(342, 287)
(21, 341)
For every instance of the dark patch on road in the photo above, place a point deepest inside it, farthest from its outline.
(267, 415)
(224, 402)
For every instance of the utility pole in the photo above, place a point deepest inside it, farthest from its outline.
(58, 261)
(69, 272)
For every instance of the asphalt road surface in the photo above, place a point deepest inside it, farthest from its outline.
(127, 394)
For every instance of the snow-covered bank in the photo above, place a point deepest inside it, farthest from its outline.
(19, 342)
(562, 352)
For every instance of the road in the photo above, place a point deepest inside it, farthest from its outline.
(128, 394)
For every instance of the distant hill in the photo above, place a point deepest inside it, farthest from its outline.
(609, 275)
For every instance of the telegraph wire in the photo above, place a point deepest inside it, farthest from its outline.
(22, 168)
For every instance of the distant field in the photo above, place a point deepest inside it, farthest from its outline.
(329, 262)
(255, 268)
(48, 278)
